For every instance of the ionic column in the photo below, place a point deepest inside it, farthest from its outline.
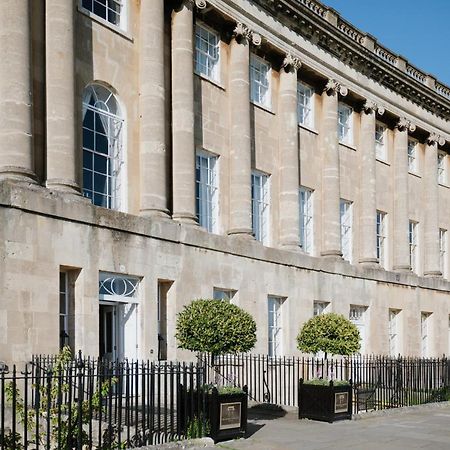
(152, 101)
(329, 145)
(288, 154)
(183, 142)
(16, 147)
(60, 74)
(401, 219)
(431, 202)
(240, 133)
(368, 207)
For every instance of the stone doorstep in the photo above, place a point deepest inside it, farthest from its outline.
(192, 444)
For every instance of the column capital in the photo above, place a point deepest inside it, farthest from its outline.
(200, 4)
(244, 34)
(370, 107)
(435, 139)
(334, 87)
(405, 124)
(291, 63)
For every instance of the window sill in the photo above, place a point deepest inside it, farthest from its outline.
(415, 174)
(210, 80)
(305, 127)
(262, 107)
(349, 146)
(383, 161)
(105, 23)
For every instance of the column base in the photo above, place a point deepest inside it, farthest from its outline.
(157, 213)
(17, 173)
(402, 268)
(332, 255)
(291, 246)
(432, 274)
(241, 232)
(66, 186)
(185, 218)
(369, 263)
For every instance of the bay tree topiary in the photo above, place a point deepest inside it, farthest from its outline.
(330, 333)
(215, 326)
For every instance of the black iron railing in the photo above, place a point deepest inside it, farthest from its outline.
(379, 382)
(88, 403)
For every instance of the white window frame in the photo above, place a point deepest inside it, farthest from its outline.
(108, 110)
(275, 325)
(346, 218)
(320, 307)
(382, 238)
(425, 334)
(394, 332)
(87, 6)
(305, 104)
(207, 190)
(443, 252)
(207, 61)
(306, 211)
(261, 207)
(63, 312)
(412, 156)
(358, 316)
(260, 81)
(380, 141)
(345, 123)
(442, 168)
(413, 239)
(223, 294)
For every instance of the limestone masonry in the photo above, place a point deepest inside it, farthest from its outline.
(264, 152)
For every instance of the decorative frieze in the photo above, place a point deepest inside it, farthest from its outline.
(334, 87)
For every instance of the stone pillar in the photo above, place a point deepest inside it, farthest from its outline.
(329, 147)
(16, 145)
(153, 145)
(288, 154)
(431, 202)
(183, 141)
(240, 223)
(368, 206)
(401, 218)
(61, 106)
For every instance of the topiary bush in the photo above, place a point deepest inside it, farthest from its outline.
(330, 333)
(216, 327)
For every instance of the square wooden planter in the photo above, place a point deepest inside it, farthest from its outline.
(225, 413)
(327, 403)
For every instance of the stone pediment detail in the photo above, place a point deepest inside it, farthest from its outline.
(323, 27)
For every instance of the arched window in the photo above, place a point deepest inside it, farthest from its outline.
(103, 128)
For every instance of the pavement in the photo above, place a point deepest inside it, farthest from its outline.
(422, 427)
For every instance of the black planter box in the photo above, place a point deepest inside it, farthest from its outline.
(327, 403)
(225, 413)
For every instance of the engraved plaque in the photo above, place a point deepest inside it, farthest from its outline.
(230, 415)
(341, 402)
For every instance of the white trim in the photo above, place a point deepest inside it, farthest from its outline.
(267, 95)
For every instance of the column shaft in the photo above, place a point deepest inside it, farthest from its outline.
(16, 146)
(153, 145)
(401, 219)
(431, 202)
(368, 209)
(240, 140)
(60, 85)
(331, 227)
(289, 159)
(183, 150)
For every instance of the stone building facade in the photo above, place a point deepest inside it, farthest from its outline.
(265, 152)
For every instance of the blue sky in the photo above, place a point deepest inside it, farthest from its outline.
(416, 29)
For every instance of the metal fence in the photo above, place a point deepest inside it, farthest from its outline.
(378, 382)
(88, 403)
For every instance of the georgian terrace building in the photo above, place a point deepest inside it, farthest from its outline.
(265, 152)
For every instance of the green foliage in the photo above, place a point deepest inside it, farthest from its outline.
(52, 409)
(11, 441)
(222, 390)
(329, 333)
(325, 382)
(216, 327)
(198, 427)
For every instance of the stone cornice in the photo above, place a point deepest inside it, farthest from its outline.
(325, 28)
